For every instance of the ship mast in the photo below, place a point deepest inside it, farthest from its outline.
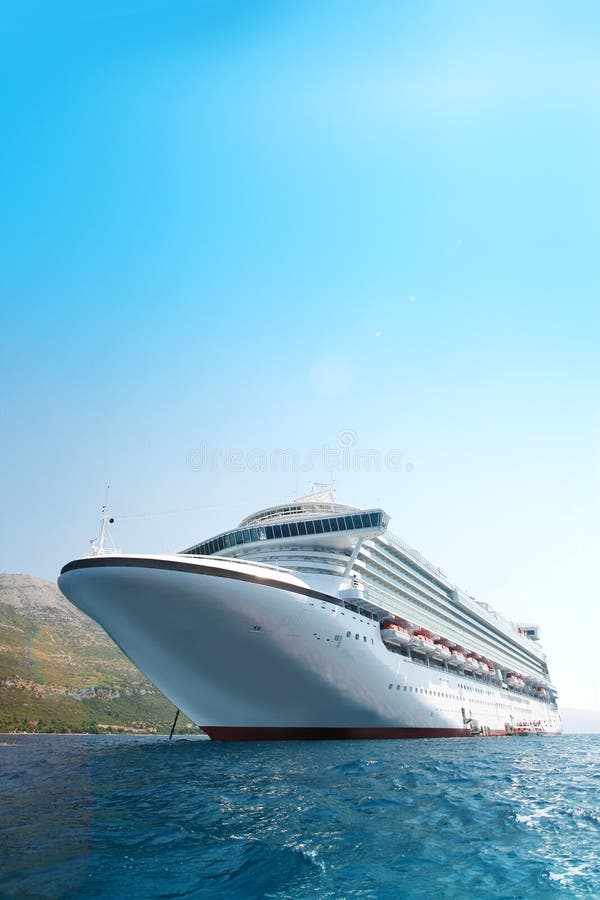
(99, 544)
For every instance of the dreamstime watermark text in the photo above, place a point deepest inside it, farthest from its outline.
(344, 456)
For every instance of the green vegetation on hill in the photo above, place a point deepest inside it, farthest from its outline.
(60, 672)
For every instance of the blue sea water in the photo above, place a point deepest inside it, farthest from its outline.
(98, 816)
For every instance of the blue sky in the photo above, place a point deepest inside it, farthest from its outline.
(252, 226)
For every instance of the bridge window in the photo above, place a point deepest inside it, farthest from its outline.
(290, 529)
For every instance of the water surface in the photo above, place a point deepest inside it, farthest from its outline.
(99, 816)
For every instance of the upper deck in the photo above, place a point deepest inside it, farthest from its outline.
(329, 544)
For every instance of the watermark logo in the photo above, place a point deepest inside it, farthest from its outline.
(345, 455)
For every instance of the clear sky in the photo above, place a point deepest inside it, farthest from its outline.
(260, 226)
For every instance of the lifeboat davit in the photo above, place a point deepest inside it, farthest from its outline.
(392, 633)
(456, 658)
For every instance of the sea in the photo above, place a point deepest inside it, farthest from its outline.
(100, 816)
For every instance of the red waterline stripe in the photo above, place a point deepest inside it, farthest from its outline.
(221, 733)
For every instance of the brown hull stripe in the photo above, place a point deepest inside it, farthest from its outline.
(195, 569)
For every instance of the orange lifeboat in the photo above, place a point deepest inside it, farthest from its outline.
(442, 651)
(393, 633)
(514, 681)
(457, 658)
(422, 641)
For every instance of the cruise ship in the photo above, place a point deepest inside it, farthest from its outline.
(311, 620)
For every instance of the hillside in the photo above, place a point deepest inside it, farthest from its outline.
(59, 671)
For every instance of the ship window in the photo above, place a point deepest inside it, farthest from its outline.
(293, 528)
(356, 521)
(390, 686)
(325, 524)
(333, 524)
(398, 686)
(318, 526)
(347, 520)
(348, 634)
(310, 528)
(357, 637)
(364, 639)
(301, 527)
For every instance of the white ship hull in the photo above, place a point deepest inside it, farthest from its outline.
(253, 654)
